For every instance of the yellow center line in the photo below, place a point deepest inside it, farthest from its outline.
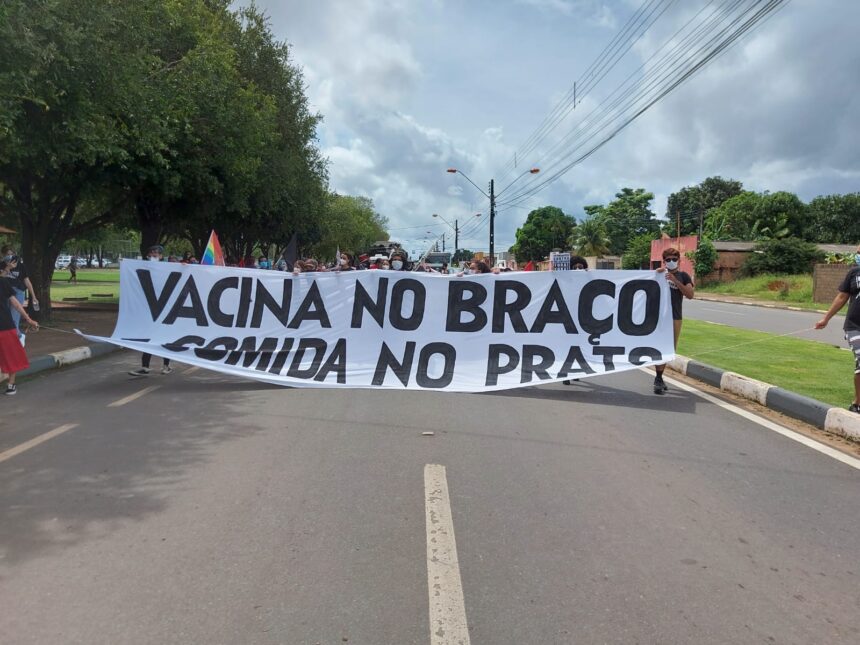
(17, 450)
(133, 397)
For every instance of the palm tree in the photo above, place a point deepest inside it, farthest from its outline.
(590, 238)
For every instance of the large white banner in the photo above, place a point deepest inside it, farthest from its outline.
(394, 329)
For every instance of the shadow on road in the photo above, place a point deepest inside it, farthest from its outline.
(120, 464)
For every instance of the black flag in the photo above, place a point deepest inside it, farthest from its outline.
(291, 253)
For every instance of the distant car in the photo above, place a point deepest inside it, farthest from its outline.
(63, 262)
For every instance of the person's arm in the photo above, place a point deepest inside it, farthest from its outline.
(29, 285)
(13, 302)
(687, 290)
(838, 302)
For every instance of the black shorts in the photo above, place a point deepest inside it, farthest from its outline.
(853, 338)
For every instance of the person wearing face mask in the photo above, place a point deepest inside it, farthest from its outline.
(398, 262)
(155, 254)
(13, 359)
(680, 286)
(578, 263)
(20, 282)
(849, 291)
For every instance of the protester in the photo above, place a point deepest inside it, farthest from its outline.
(13, 358)
(578, 263)
(384, 265)
(399, 261)
(849, 291)
(73, 269)
(263, 262)
(344, 263)
(680, 286)
(20, 283)
(155, 254)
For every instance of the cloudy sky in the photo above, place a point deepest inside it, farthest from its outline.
(409, 88)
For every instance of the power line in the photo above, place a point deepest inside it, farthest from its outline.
(667, 74)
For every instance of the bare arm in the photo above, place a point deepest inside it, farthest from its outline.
(13, 302)
(838, 302)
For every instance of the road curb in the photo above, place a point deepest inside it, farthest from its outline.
(822, 415)
(66, 357)
(756, 303)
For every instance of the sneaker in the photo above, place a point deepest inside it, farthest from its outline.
(854, 407)
(143, 371)
(166, 369)
(660, 386)
(11, 390)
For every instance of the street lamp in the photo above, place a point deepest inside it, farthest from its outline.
(492, 198)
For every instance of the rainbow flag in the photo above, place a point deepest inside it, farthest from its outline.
(213, 254)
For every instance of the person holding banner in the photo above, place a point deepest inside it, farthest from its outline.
(155, 254)
(680, 286)
(13, 358)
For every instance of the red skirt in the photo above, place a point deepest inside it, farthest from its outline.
(13, 358)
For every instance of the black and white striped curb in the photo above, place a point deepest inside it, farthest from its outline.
(836, 420)
(66, 357)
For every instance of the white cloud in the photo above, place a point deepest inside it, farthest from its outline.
(409, 89)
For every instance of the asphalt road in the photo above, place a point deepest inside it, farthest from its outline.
(212, 510)
(773, 321)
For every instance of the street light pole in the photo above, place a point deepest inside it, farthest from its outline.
(492, 223)
(492, 198)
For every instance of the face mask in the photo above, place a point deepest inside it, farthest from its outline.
(672, 265)
(344, 262)
(857, 259)
(397, 264)
(153, 258)
(264, 265)
(8, 258)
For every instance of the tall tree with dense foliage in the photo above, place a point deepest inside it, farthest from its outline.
(758, 216)
(637, 255)
(349, 224)
(691, 203)
(625, 217)
(75, 110)
(545, 229)
(834, 219)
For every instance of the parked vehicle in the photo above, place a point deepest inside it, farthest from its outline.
(63, 262)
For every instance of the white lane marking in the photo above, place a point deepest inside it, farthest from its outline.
(447, 609)
(133, 397)
(722, 311)
(770, 425)
(191, 370)
(17, 450)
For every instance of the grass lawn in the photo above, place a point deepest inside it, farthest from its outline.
(795, 290)
(90, 281)
(817, 370)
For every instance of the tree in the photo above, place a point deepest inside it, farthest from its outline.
(834, 219)
(545, 229)
(787, 256)
(350, 224)
(590, 238)
(637, 255)
(75, 109)
(462, 255)
(627, 216)
(691, 203)
(758, 216)
(704, 257)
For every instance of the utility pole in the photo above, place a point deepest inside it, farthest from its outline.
(443, 242)
(456, 237)
(492, 222)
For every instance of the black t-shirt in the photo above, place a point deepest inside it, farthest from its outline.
(6, 292)
(678, 297)
(18, 274)
(851, 286)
